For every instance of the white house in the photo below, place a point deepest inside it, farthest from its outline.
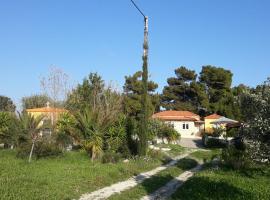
(186, 123)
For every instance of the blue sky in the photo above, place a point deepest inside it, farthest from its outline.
(106, 36)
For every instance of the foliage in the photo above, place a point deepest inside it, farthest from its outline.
(45, 148)
(91, 130)
(116, 135)
(87, 93)
(159, 129)
(183, 92)
(209, 93)
(6, 104)
(96, 110)
(256, 112)
(35, 101)
(235, 158)
(29, 127)
(65, 133)
(8, 128)
(133, 90)
(213, 142)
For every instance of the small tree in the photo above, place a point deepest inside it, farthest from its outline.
(6, 104)
(30, 128)
(256, 111)
(8, 129)
(91, 131)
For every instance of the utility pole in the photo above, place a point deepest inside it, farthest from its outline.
(143, 131)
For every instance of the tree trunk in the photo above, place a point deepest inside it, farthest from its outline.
(31, 152)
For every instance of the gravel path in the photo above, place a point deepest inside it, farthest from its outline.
(171, 187)
(191, 142)
(125, 185)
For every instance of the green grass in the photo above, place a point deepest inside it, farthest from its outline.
(65, 177)
(224, 183)
(175, 149)
(150, 185)
(206, 156)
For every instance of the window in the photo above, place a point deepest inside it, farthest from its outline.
(185, 126)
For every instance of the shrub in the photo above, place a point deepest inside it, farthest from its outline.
(46, 149)
(235, 158)
(23, 149)
(116, 135)
(42, 149)
(110, 157)
(213, 142)
(8, 128)
(162, 130)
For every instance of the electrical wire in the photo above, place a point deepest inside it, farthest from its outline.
(137, 8)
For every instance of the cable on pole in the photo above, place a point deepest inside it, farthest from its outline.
(137, 8)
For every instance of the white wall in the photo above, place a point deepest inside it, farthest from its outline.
(185, 133)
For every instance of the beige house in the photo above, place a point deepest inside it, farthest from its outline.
(186, 123)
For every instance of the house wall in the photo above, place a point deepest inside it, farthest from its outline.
(191, 132)
(208, 126)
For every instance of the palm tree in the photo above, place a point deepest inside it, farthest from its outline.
(30, 127)
(91, 130)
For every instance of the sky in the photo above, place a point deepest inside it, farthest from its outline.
(106, 36)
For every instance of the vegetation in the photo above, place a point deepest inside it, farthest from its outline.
(226, 183)
(256, 112)
(8, 129)
(65, 177)
(35, 101)
(211, 92)
(6, 104)
(29, 131)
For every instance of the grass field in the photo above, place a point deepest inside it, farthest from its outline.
(65, 177)
(227, 184)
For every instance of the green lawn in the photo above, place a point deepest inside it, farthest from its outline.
(227, 184)
(206, 156)
(65, 177)
(175, 149)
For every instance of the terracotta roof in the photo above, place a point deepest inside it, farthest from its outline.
(176, 115)
(46, 109)
(213, 116)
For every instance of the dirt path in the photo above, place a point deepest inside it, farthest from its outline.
(171, 187)
(125, 185)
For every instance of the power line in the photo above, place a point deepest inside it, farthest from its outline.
(137, 8)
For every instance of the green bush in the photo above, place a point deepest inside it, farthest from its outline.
(159, 129)
(41, 149)
(235, 158)
(23, 149)
(213, 142)
(110, 157)
(46, 149)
